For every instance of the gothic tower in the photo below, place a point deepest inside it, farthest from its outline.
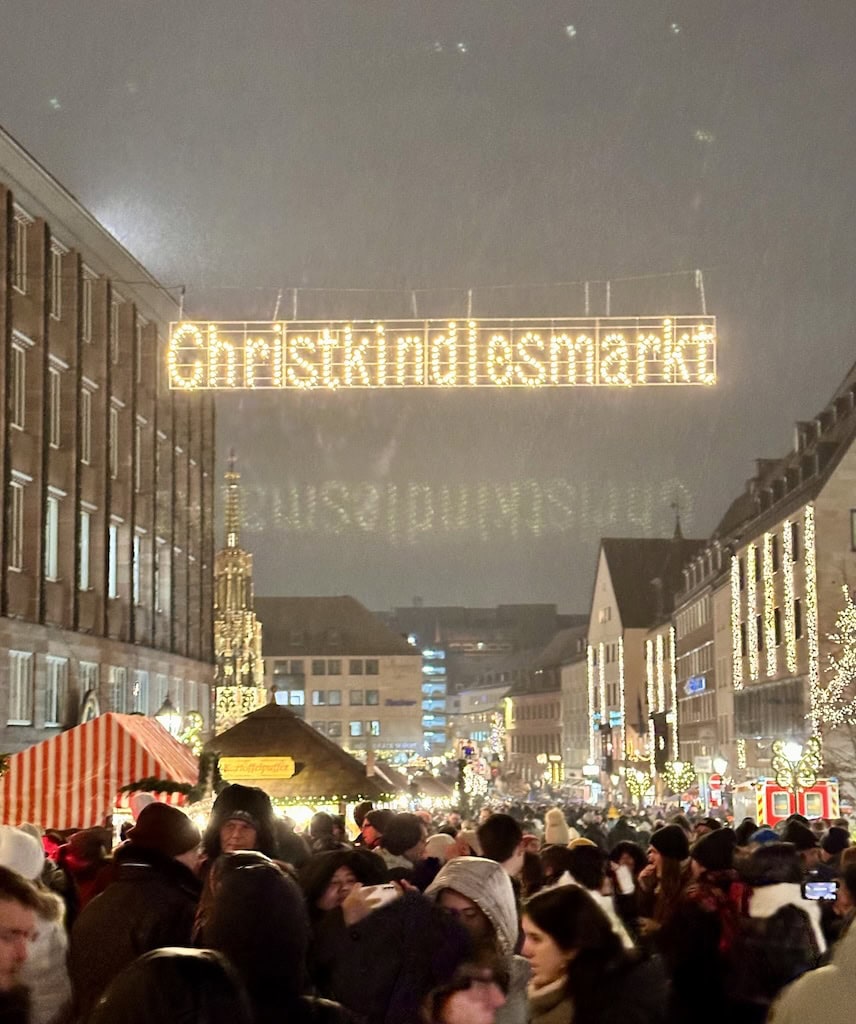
(239, 679)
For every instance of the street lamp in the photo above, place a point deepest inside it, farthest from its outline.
(169, 717)
(720, 765)
(796, 766)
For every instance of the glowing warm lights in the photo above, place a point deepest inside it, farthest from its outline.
(769, 607)
(621, 697)
(790, 629)
(592, 702)
(601, 658)
(736, 636)
(649, 672)
(811, 625)
(661, 674)
(532, 353)
(673, 689)
(752, 610)
(835, 704)
(741, 753)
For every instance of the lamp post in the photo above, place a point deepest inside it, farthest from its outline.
(169, 717)
(796, 766)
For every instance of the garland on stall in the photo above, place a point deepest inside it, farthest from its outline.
(209, 777)
(4, 764)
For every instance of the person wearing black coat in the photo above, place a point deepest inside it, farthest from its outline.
(151, 904)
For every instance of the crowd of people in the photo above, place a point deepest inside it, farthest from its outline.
(550, 915)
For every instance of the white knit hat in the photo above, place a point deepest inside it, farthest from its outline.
(20, 852)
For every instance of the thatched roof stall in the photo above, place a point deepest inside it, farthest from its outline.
(274, 749)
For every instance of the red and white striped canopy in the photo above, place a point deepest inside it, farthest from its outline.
(73, 780)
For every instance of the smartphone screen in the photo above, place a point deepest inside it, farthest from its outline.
(826, 891)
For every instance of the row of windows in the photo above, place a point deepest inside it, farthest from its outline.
(694, 617)
(550, 744)
(334, 729)
(20, 282)
(756, 556)
(777, 627)
(333, 698)
(528, 712)
(128, 691)
(695, 663)
(327, 667)
(84, 582)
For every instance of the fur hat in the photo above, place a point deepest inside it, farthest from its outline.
(803, 838)
(20, 852)
(165, 829)
(556, 831)
(835, 840)
(715, 850)
(671, 841)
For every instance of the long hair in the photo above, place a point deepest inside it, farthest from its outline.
(673, 881)
(576, 924)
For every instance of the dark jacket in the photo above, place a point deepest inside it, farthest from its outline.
(383, 968)
(151, 904)
(15, 1006)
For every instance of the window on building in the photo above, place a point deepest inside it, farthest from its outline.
(798, 619)
(56, 690)
(795, 541)
(114, 329)
(16, 525)
(373, 727)
(88, 677)
(119, 689)
(334, 667)
(334, 697)
(85, 426)
(52, 537)
(373, 697)
(355, 728)
(296, 698)
(140, 692)
(743, 641)
(319, 667)
(83, 549)
(113, 561)
(774, 552)
(138, 349)
(319, 698)
(18, 387)
(138, 457)
(114, 442)
(86, 305)
(759, 629)
(777, 625)
(160, 580)
(54, 407)
(853, 529)
(741, 565)
(296, 667)
(20, 688)
(57, 253)
(320, 727)
(756, 563)
(137, 577)
(355, 667)
(19, 252)
(356, 698)
(372, 667)
(334, 730)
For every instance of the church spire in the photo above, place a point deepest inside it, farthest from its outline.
(232, 512)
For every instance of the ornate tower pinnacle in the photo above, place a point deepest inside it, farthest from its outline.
(239, 681)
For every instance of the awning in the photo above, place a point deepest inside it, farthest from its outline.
(73, 779)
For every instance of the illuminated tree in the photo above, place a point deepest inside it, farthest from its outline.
(835, 704)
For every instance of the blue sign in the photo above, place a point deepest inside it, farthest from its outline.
(694, 685)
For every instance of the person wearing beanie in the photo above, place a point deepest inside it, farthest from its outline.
(242, 818)
(662, 882)
(762, 836)
(44, 973)
(806, 842)
(833, 844)
(151, 904)
(556, 831)
(712, 852)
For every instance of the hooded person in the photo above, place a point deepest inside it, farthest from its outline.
(44, 973)
(242, 818)
(479, 893)
(173, 985)
(85, 862)
(151, 904)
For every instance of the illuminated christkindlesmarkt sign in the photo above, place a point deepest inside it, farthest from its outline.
(519, 353)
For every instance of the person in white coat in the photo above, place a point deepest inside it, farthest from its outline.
(45, 973)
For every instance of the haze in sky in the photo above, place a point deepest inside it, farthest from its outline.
(361, 159)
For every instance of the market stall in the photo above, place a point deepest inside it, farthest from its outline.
(73, 780)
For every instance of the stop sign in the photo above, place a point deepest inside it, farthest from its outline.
(715, 782)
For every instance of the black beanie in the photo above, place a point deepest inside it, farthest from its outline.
(715, 851)
(671, 841)
(835, 840)
(165, 829)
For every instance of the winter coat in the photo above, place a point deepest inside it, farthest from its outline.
(487, 884)
(827, 994)
(779, 941)
(45, 972)
(382, 968)
(15, 1006)
(151, 904)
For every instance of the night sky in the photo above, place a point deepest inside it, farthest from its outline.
(237, 148)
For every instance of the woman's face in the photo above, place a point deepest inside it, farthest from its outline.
(655, 858)
(342, 882)
(468, 914)
(547, 960)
